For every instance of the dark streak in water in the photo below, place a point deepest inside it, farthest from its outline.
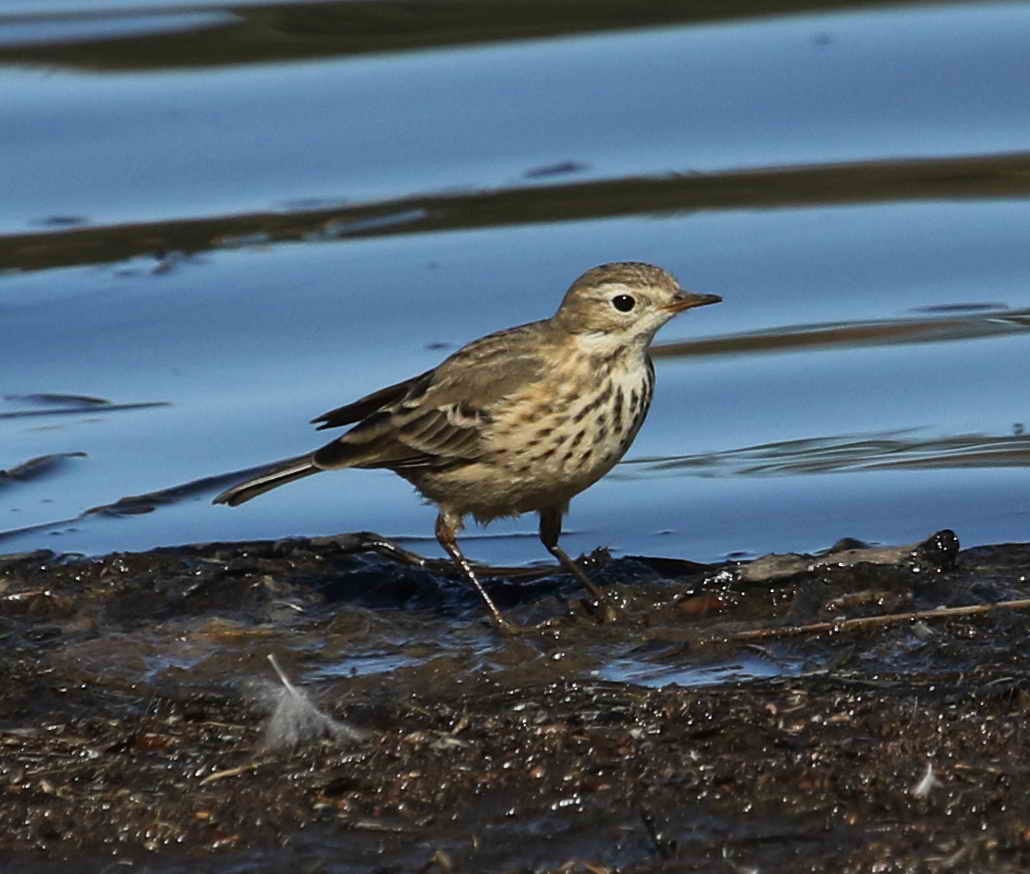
(961, 308)
(290, 31)
(562, 168)
(135, 505)
(852, 452)
(84, 408)
(37, 467)
(891, 332)
(971, 177)
(61, 221)
(49, 398)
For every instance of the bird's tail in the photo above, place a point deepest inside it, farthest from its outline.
(277, 475)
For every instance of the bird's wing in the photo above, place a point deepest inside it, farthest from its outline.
(438, 418)
(370, 403)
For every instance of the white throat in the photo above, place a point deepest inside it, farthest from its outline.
(608, 343)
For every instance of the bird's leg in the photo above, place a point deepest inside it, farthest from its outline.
(550, 531)
(446, 533)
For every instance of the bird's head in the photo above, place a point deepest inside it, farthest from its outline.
(625, 303)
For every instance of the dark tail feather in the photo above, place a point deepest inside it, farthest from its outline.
(284, 472)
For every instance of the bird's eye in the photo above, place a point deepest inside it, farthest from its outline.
(623, 303)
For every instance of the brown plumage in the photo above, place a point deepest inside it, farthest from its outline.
(520, 420)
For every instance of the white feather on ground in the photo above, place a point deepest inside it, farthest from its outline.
(295, 720)
(927, 783)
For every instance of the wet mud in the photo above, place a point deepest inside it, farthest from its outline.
(863, 710)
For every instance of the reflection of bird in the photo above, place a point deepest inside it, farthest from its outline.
(519, 420)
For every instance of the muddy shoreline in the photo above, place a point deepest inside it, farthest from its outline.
(136, 728)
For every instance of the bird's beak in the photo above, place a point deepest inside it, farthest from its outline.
(686, 300)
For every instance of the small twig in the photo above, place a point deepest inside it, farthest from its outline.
(231, 772)
(876, 621)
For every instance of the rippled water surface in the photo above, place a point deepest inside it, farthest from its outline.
(220, 220)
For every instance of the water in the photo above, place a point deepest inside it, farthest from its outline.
(739, 670)
(228, 226)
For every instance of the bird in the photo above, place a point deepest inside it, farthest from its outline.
(518, 421)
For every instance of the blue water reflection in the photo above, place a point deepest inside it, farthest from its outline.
(135, 146)
(243, 341)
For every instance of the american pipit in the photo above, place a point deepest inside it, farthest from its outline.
(519, 420)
